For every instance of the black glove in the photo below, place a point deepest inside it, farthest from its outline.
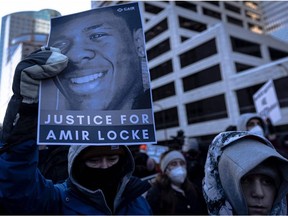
(21, 113)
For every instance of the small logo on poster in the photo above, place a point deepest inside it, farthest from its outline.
(125, 9)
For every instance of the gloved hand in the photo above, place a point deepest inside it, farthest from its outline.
(42, 64)
(46, 63)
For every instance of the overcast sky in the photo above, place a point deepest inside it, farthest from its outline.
(63, 6)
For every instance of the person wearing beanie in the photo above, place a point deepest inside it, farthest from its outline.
(245, 175)
(172, 192)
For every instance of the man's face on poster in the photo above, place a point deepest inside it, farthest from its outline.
(104, 66)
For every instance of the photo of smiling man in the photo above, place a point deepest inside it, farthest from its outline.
(106, 51)
(107, 72)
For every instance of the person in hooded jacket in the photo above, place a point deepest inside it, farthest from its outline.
(245, 175)
(254, 123)
(172, 193)
(100, 180)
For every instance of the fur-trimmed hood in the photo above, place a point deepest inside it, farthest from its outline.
(233, 154)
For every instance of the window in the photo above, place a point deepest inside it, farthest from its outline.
(232, 8)
(186, 5)
(201, 78)
(211, 13)
(273, 27)
(161, 70)
(191, 24)
(183, 38)
(158, 49)
(240, 67)
(166, 118)
(234, 21)
(212, 2)
(252, 15)
(152, 8)
(251, 4)
(245, 47)
(255, 28)
(205, 110)
(163, 91)
(245, 98)
(276, 54)
(281, 90)
(198, 53)
(156, 30)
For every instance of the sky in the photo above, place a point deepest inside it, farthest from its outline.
(65, 7)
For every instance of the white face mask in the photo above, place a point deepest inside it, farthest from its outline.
(257, 130)
(177, 175)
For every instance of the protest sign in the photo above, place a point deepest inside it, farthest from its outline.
(104, 95)
(266, 102)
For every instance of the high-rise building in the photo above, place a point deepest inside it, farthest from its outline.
(275, 18)
(21, 34)
(206, 60)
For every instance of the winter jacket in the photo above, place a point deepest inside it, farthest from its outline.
(234, 154)
(25, 191)
(190, 204)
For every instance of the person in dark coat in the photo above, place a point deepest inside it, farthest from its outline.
(144, 165)
(100, 180)
(193, 156)
(172, 193)
(90, 189)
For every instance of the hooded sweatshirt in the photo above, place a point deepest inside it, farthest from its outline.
(127, 170)
(231, 155)
(25, 191)
(245, 118)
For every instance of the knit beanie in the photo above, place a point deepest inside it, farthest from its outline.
(169, 157)
(93, 151)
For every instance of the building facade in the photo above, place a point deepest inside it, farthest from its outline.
(275, 19)
(206, 61)
(21, 34)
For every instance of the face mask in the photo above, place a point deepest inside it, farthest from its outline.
(177, 175)
(95, 178)
(257, 130)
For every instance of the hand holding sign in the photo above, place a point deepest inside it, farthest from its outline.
(40, 65)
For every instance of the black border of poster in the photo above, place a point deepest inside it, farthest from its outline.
(59, 125)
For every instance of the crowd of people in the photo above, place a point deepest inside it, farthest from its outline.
(243, 172)
(111, 179)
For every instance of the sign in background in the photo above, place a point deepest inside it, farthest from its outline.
(266, 102)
